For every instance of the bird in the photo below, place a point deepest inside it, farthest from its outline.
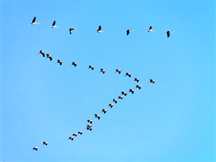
(42, 52)
(75, 64)
(99, 30)
(35, 148)
(120, 97)
(115, 100)
(104, 111)
(168, 33)
(71, 29)
(124, 93)
(150, 29)
(110, 105)
(132, 91)
(60, 62)
(118, 71)
(75, 134)
(80, 132)
(71, 138)
(97, 116)
(91, 67)
(53, 25)
(152, 81)
(33, 21)
(128, 74)
(45, 143)
(128, 31)
(102, 70)
(89, 128)
(138, 86)
(49, 56)
(136, 79)
(89, 121)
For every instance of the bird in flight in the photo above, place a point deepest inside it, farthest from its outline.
(60, 62)
(152, 81)
(49, 56)
(33, 21)
(42, 52)
(150, 29)
(53, 25)
(168, 33)
(35, 148)
(99, 30)
(71, 29)
(128, 31)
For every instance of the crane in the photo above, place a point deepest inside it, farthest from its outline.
(128, 31)
(99, 30)
(168, 33)
(71, 29)
(49, 56)
(53, 25)
(150, 29)
(33, 21)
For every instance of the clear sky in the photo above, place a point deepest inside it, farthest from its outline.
(171, 120)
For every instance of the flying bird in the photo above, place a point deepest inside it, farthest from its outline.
(104, 111)
(136, 79)
(75, 64)
(53, 25)
(89, 121)
(45, 143)
(97, 116)
(60, 62)
(128, 74)
(110, 105)
(124, 93)
(42, 52)
(128, 31)
(49, 56)
(118, 71)
(80, 132)
(71, 138)
(91, 67)
(35, 148)
(132, 91)
(99, 30)
(150, 29)
(120, 97)
(115, 100)
(152, 81)
(75, 134)
(138, 86)
(89, 127)
(102, 70)
(71, 29)
(33, 21)
(168, 33)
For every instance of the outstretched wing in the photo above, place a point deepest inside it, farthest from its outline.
(53, 23)
(34, 19)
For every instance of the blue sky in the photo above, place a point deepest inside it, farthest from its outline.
(171, 120)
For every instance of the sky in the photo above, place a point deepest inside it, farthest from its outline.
(172, 120)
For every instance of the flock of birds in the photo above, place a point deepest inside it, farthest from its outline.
(99, 28)
(119, 71)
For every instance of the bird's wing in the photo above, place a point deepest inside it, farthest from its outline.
(33, 19)
(99, 28)
(150, 27)
(128, 32)
(53, 23)
(168, 33)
